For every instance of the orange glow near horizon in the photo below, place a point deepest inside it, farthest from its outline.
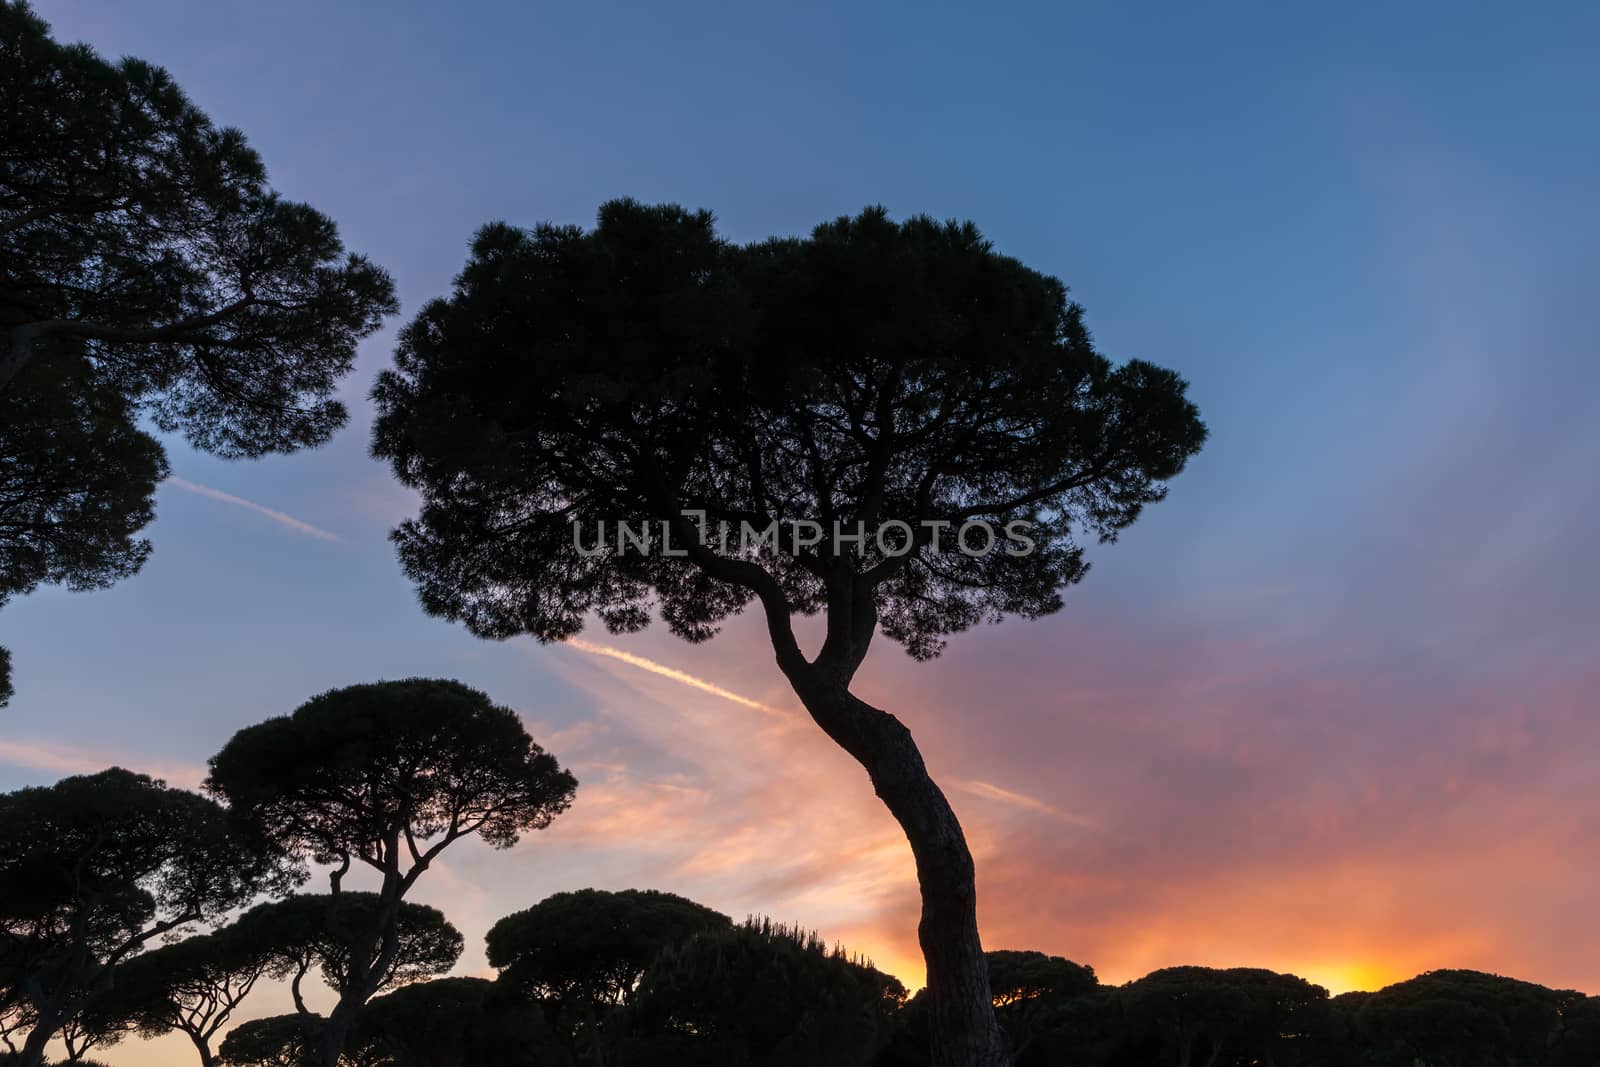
(1352, 890)
(1117, 834)
(1350, 977)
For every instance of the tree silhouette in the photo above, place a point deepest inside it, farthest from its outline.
(387, 775)
(1458, 1018)
(146, 269)
(1202, 1014)
(453, 1022)
(877, 378)
(761, 993)
(76, 480)
(73, 522)
(1019, 978)
(583, 953)
(1085, 1030)
(96, 867)
(1029, 986)
(273, 1041)
(1578, 1042)
(192, 986)
(1028, 989)
(17, 1013)
(88, 1030)
(331, 934)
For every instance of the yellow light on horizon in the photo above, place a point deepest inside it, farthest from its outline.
(1339, 978)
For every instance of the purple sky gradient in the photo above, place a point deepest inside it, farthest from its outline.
(1332, 708)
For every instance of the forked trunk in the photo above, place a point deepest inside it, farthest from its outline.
(367, 974)
(330, 1042)
(963, 1031)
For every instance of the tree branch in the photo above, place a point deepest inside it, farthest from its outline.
(24, 336)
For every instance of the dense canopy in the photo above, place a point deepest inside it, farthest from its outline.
(148, 274)
(592, 946)
(139, 234)
(386, 775)
(360, 771)
(95, 868)
(888, 422)
(876, 372)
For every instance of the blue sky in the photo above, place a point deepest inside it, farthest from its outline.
(1366, 233)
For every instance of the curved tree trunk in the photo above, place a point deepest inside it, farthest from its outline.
(963, 1030)
(32, 1054)
(962, 1027)
(203, 1047)
(329, 1046)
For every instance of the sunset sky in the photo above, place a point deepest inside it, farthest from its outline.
(1333, 708)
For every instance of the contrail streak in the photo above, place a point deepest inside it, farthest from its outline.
(673, 673)
(1021, 800)
(238, 501)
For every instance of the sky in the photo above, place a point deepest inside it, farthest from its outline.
(1331, 708)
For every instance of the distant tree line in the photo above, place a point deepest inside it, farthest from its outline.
(128, 907)
(1058, 1016)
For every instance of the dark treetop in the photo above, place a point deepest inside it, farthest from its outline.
(95, 868)
(763, 993)
(877, 378)
(391, 771)
(315, 931)
(387, 775)
(273, 1041)
(147, 238)
(193, 986)
(76, 480)
(454, 1021)
(591, 946)
(146, 269)
(873, 372)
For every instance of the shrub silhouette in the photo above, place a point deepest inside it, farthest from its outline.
(583, 954)
(760, 993)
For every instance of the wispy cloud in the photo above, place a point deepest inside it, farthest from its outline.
(76, 759)
(276, 516)
(746, 813)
